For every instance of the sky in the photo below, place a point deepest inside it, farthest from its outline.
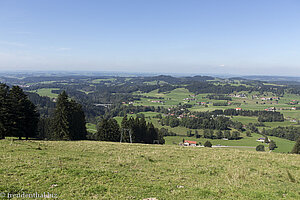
(239, 37)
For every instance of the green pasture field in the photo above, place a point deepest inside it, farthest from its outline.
(272, 84)
(42, 82)
(106, 170)
(174, 97)
(46, 92)
(86, 92)
(91, 127)
(246, 120)
(284, 145)
(155, 82)
(294, 114)
(103, 79)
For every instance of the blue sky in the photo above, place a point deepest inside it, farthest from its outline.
(161, 36)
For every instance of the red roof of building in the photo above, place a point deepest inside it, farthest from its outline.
(190, 142)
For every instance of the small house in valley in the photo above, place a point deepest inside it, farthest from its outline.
(189, 143)
(262, 140)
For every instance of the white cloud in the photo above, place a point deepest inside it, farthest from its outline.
(222, 65)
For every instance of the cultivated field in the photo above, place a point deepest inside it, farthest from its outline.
(103, 170)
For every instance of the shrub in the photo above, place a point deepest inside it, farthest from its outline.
(272, 145)
(207, 144)
(260, 148)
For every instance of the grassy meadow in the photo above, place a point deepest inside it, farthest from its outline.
(46, 92)
(104, 170)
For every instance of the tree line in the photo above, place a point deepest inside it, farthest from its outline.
(134, 130)
(198, 122)
(289, 132)
(19, 118)
(263, 116)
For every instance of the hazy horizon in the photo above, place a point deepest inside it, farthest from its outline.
(161, 37)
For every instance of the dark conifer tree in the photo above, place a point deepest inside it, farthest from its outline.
(24, 117)
(61, 122)
(44, 130)
(77, 121)
(114, 130)
(137, 131)
(142, 129)
(69, 120)
(108, 130)
(151, 134)
(4, 111)
(102, 130)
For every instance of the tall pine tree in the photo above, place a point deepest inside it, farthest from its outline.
(69, 120)
(108, 130)
(4, 110)
(24, 117)
(61, 122)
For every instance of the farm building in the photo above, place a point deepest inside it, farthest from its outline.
(189, 143)
(262, 140)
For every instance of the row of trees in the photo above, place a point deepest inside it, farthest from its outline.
(289, 132)
(263, 116)
(218, 134)
(235, 135)
(131, 130)
(198, 122)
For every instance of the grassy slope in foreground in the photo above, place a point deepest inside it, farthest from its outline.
(103, 170)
